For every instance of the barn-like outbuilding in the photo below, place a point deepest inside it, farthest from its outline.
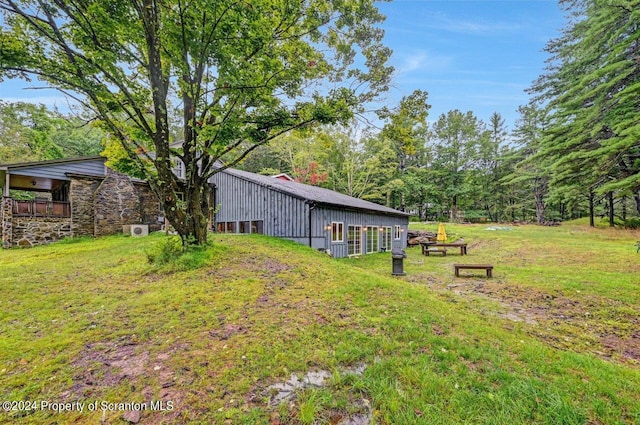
(321, 218)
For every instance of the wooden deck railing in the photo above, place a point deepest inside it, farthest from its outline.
(39, 208)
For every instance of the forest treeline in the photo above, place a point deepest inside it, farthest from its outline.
(574, 151)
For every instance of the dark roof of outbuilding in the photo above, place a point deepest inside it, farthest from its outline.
(315, 194)
(50, 162)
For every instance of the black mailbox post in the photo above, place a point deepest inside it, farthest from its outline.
(397, 258)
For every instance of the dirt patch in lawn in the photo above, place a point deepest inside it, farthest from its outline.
(101, 366)
(588, 324)
(591, 324)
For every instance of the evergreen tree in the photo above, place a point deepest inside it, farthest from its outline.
(530, 174)
(592, 87)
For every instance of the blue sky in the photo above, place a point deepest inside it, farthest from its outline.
(469, 55)
(475, 56)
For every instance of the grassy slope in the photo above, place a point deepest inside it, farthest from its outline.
(93, 321)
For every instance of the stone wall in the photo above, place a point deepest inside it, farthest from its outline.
(81, 195)
(99, 206)
(116, 203)
(31, 231)
(148, 206)
(6, 221)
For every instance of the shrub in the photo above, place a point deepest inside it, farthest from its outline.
(170, 249)
(632, 223)
(170, 254)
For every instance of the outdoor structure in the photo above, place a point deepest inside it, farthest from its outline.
(83, 197)
(323, 219)
(73, 197)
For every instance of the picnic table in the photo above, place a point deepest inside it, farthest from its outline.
(427, 245)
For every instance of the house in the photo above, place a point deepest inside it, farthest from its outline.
(83, 197)
(323, 219)
(73, 197)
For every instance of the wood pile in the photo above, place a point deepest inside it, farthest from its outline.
(415, 237)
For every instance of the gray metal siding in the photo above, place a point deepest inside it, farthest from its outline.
(59, 171)
(242, 200)
(325, 216)
(287, 217)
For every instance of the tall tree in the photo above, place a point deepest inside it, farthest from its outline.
(530, 173)
(405, 132)
(591, 87)
(490, 167)
(238, 74)
(456, 137)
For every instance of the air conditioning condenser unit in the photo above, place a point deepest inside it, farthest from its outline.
(139, 230)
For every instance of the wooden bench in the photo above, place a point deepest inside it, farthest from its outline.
(487, 267)
(461, 245)
(428, 251)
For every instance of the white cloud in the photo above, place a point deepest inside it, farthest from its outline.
(443, 22)
(421, 60)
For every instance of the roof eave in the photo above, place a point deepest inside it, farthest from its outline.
(369, 210)
(7, 167)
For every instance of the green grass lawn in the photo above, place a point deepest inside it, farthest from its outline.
(553, 338)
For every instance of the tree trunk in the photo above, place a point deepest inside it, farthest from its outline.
(540, 208)
(637, 199)
(592, 221)
(611, 215)
(190, 217)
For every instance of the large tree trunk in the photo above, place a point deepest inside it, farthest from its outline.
(592, 221)
(540, 207)
(636, 197)
(538, 194)
(193, 226)
(611, 214)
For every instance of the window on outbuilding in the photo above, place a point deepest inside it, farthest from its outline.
(385, 237)
(398, 232)
(354, 240)
(257, 226)
(372, 239)
(244, 227)
(337, 232)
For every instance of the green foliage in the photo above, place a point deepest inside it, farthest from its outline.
(31, 132)
(632, 223)
(172, 255)
(118, 159)
(221, 77)
(591, 143)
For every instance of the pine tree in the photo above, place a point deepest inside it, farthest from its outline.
(592, 87)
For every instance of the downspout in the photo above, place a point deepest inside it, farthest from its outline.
(7, 180)
(214, 207)
(312, 206)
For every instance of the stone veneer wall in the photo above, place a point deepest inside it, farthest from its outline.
(116, 203)
(6, 218)
(31, 231)
(149, 206)
(81, 195)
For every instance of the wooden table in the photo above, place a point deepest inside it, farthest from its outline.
(461, 245)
